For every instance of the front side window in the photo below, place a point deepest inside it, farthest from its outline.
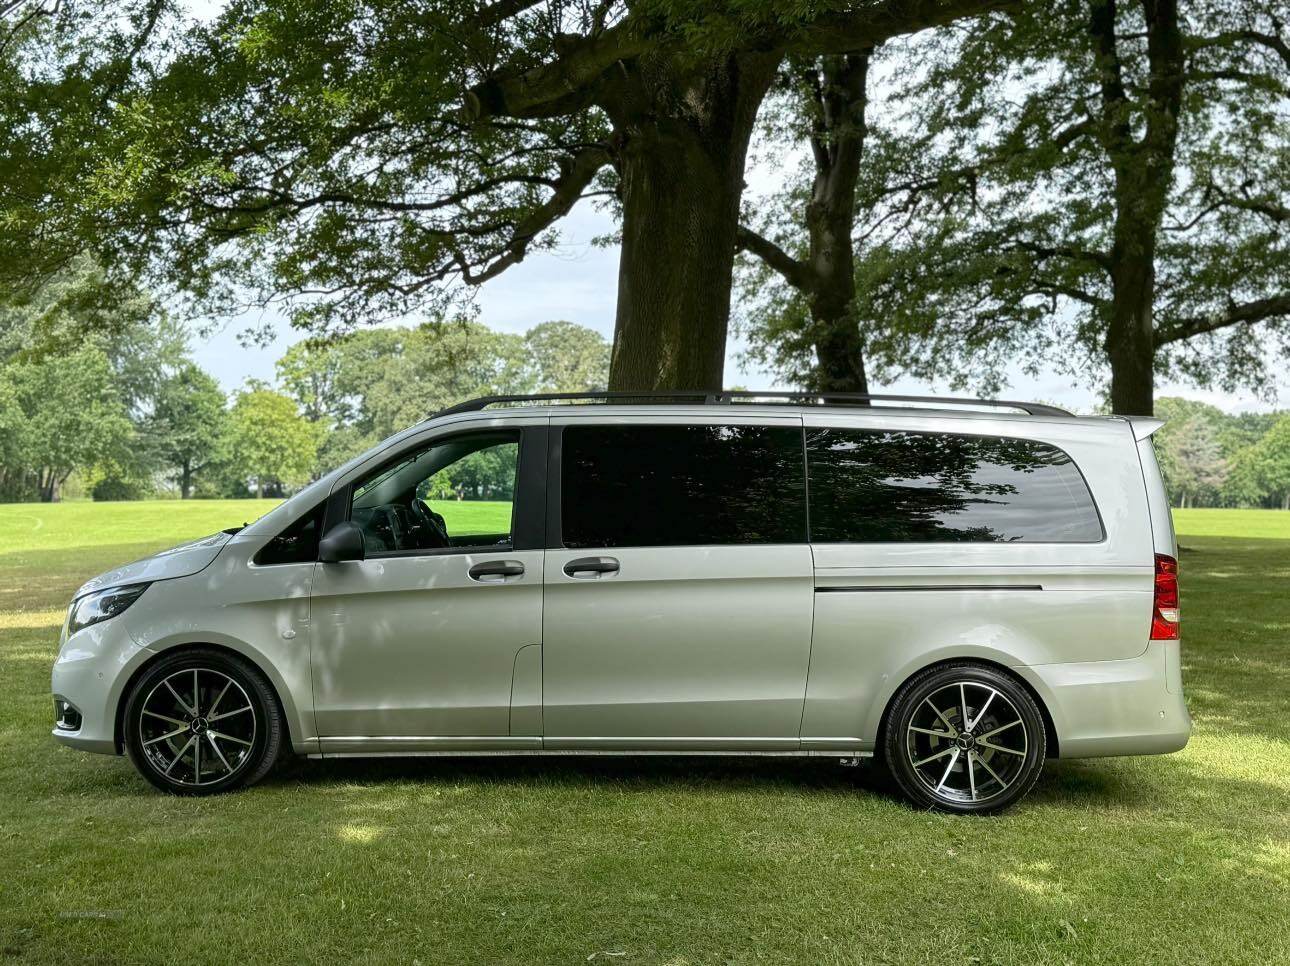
(298, 543)
(457, 493)
(897, 487)
(670, 485)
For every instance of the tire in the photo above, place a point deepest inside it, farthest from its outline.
(937, 763)
(233, 739)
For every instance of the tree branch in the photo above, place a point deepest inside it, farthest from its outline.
(844, 33)
(561, 86)
(579, 173)
(1259, 310)
(796, 273)
(1273, 42)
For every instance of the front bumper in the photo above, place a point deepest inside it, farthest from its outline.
(90, 674)
(1104, 708)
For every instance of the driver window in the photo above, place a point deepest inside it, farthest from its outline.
(456, 493)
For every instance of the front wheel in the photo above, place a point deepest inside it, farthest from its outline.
(202, 722)
(964, 738)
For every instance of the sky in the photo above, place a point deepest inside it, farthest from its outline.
(578, 282)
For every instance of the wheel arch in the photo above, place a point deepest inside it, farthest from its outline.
(1052, 743)
(118, 727)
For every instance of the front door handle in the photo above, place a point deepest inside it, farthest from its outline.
(585, 567)
(495, 571)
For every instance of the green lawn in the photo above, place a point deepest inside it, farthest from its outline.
(1183, 858)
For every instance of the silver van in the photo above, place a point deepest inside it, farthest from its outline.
(960, 588)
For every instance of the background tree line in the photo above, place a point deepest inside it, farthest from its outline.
(98, 389)
(1097, 185)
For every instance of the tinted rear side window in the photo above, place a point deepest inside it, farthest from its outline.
(667, 486)
(896, 487)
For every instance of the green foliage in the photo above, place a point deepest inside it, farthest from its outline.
(61, 413)
(1210, 458)
(373, 383)
(187, 423)
(281, 147)
(567, 357)
(113, 488)
(267, 442)
(1263, 469)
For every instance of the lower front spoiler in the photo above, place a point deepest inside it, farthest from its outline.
(74, 739)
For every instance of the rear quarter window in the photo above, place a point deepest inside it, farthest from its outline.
(676, 485)
(901, 487)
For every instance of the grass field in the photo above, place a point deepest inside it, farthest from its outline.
(1183, 858)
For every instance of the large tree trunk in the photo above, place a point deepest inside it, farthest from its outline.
(838, 143)
(682, 146)
(1130, 344)
(186, 481)
(1143, 169)
(839, 353)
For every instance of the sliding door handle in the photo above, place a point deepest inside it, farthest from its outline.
(493, 571)
(591, 566)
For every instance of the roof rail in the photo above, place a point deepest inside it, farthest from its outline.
(726, 396)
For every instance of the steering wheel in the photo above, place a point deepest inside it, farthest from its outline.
(432, 523)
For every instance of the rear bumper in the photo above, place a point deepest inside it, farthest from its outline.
(1104, 708)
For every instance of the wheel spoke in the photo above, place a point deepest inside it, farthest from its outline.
(981, 714)
(220, 734)
(182, 752)
(182, 703)
(948, 723)
(215, 747)
(971, 774)
(168, 734)
(166, 717)
(220, 697)
(228, 714)
(948, 768)
(990, 734)
(197, 760)
(994, 747)
(967, 722)
(930, 731)
(939, 754)
(993, 774)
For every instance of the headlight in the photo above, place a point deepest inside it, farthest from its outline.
(101, 605)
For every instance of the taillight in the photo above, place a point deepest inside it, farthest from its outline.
(1164, 614)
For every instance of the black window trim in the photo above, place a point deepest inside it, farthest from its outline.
(555, 478)
(322, 528)
(527, 509)
(1097, 510)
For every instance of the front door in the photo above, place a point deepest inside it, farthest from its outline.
(420, 639)
(678, 598)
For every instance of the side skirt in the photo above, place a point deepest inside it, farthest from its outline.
(418, 746)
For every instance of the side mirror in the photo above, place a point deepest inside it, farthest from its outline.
(344, 541)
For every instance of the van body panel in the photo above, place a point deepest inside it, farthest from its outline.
(757, 648)
(682, 642)
(414, 646)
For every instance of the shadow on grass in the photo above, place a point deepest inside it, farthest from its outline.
(1064, 783)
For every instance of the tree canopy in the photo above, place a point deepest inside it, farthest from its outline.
(367, 158)
(1100, 184)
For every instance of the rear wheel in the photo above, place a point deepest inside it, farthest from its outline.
(202, 722)
(964, 737)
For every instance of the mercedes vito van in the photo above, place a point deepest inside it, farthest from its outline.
(960, 588)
